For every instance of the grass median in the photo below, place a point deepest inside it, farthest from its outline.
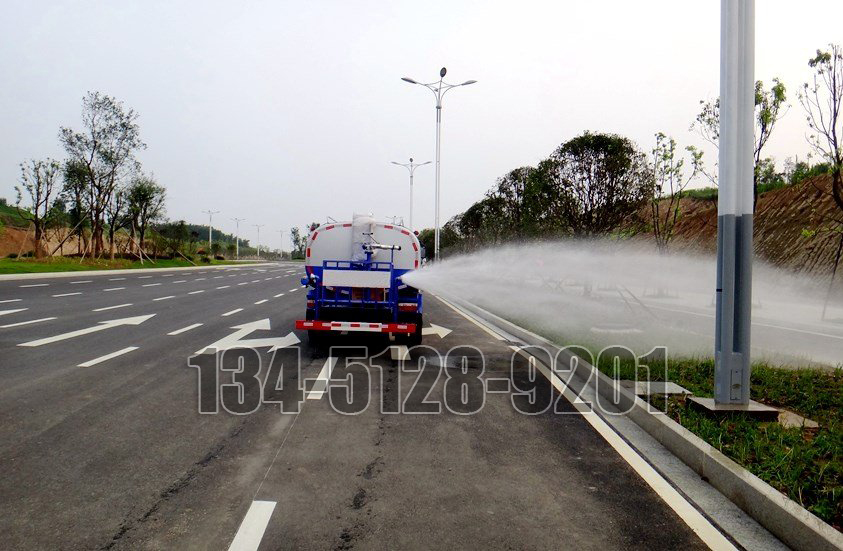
(69, 264)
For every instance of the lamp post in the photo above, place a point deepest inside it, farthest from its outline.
(411, 168)
(735, 203)
(237, 237)
(439, 89)
(259, 226)
(281, 255)
(210, 214)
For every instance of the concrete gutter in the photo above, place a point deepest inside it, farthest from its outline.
(83, 273)
(783, 517)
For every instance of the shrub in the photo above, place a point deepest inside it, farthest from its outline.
(12, 255)
(219, 257)
(206, 259)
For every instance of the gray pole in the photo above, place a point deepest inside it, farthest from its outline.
(237, 237)
(411, 168)
(210, 214)
(259, 226)
(735, 203)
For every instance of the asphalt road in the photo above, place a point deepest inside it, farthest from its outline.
(102, 444)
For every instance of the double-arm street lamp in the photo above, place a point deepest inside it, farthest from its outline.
(439, 88)
(237, 237)
(411, 168)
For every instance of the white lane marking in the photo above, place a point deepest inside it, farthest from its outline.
(136, 320)
(218, 277)
(251, 530)
(436, 330)
(196, 292)
(293, 290)
(224, 287)
(232, 312)
(262, 301)
(101, 359)
(150, 284)
(278, 295)
(321, 383)
(168, 275)
(168, 297)
(24, 323)
(691, 516)
(181, 281)
(117, 279)
(256, 281)
(200, 273)
(67, 294)
(200, 279)
(10, 300)
(110, 307)
(144, 277)
(267, 278)
(35, 285)
(113, 289)
(185, 329)
(244, 283)
(78, 282)
(233, 275)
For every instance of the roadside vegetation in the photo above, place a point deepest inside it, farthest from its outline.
(66, 264)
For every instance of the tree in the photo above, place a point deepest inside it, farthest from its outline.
(601, 179)
(822, 101)
(770, 106)
(103, 152)
(145, 205)
(38, 180)
(173, 235)
(669, 181)
(74, 191)
(116, 216)
(298, 241)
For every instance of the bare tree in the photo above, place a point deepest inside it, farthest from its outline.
(103, 152)
(669, 181)
(38, 180)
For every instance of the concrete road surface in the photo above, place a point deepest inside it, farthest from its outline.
(102, 444)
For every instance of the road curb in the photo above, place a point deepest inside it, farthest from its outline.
(783, 517)
(84, 273)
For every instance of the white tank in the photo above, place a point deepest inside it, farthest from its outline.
(345, 240)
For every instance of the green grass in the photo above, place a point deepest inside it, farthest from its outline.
(705, 193)
(9, 216)
(804, 464)
(66, 264)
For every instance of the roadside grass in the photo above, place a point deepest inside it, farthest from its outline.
(804, 464)
(69, 264)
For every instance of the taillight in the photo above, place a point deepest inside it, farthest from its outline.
(311, 303)
(407, 306)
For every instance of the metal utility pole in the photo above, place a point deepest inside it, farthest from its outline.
(438, 88)
(411, 168)
(735, 203)
(259, 226)
(282, 245)
(210, 214)
(237, 237)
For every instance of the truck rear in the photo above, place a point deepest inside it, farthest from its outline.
(353, 271)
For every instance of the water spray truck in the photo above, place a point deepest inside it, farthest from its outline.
(353, 271)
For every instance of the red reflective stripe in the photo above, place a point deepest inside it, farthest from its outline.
(387, 227)
(405, 232)
(346, 225)
(308, 253)
(329, 227)
(415, 247)
(314, 236)
(416, 266)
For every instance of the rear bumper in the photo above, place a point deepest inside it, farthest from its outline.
(316, 325)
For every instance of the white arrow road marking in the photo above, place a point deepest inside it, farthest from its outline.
(137, 320)
(18, 324)
(236, 340)
(111, 307)
(254, 524)
(67, 294)
(184, 329)
(10, 300)
(101, 359)
(232, 312)
(5, 312)
(321, 383)
(35, 285)
(436, 330)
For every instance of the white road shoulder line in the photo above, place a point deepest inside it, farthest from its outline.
(101, 359)
(184, 329)
(321, 383)
(164, 298)
(67, 294)
(110, 307)
(232, 312)
(18, 324)
(251, 530)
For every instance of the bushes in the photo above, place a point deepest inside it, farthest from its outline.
(206, 259)
(12, 255)
(219, 257)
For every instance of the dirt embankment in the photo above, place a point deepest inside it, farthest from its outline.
(20, 241)
(781, 219)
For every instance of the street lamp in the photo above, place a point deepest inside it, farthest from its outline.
(411, 168)
(439, 89)
(281, 256)
(259, 226)
(210, 214)
(237, 237)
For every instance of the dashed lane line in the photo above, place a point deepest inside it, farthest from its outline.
(144, 277)
(254, 524)
(101, 359)
(117, 279)
(35, 285)
(224, 287)
(261, 301)
(113, 289)
(10, 300)
(168, 275)
(218, 277)
(67, 294)
(111, 307)
(200, 279)
(150, 285)
(293, 290)
(181, 281)
(78, 282)
(184, 329)
(232, 312)
(196, 292)
(164, 298)
(279, 295)
(244, 283)
(28, 322)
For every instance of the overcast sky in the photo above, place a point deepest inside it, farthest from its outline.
(287, 112)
